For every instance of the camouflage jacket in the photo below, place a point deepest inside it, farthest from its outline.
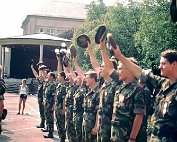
(69, 100)
(165, 114)
(78, 99)
(61, 93)
(50, 90)
(40, 86)
(91, 104)
(107, 93)
(128, 101)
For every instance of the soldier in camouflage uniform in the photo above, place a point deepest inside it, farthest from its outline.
(129, 108)
(78, 108)
(107, 92)
(50, 91)
(91, 103)
(69, 100)
(165, 114)
(59, 106)
(41, 78)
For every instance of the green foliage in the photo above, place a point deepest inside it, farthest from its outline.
(156, 33)
(142, 30)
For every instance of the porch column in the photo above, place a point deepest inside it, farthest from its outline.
(3, 61)
(0, 54)
(41, 53)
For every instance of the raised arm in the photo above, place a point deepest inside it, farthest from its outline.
(135, 69)
(105, 57)
(94, 61)
(34, 72)
(59, 66)
(78, 69)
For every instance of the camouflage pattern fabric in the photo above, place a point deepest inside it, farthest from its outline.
(91, 104)
(60, 118)
(41, 100)
(128, 101)
(69, 113)
(78, 110)
(105, 111)
(50, 90)
(164, 119)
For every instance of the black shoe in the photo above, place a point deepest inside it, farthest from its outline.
(48, 136)
(40, 126)
(18, 113)
(44, 130)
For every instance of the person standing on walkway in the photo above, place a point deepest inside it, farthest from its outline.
(60, 102)
(50, 92)
(40, 94)
(23, 91)
(2, 91)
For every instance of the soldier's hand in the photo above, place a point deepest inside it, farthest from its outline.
(89, 45)
(102, 44)
(116, 51)
(63, 112)
(94, 131)
(75, 60)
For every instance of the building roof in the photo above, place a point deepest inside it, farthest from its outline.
(62, 9)
(34, 39)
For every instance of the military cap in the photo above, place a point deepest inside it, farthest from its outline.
(40, 63)
(73, 51)
(100, 34)
(91, 71)
(42, 67)
(82, 40)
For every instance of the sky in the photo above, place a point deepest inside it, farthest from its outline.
(14, 12)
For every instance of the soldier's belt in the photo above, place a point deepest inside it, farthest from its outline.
(102, 112)
(119, 123)
(78, 111)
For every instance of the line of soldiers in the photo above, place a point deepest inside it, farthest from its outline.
(109, 103)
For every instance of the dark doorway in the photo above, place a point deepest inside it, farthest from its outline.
(21, 56)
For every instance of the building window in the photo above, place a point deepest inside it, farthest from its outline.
(50, 31)
(39, 30)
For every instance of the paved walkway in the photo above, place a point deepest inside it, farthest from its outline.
(21, 128)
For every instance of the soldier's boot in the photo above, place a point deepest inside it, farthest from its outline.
(42, 124)
(50, 135)
(44, 130)
(62, 139)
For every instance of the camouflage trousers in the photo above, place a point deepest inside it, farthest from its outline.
(49, 114)
(161, 139)
(70, 130)
(86, 131)
(120, 131)
(104, 131)
(60, 123)
(77, 119)
(41, 106)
